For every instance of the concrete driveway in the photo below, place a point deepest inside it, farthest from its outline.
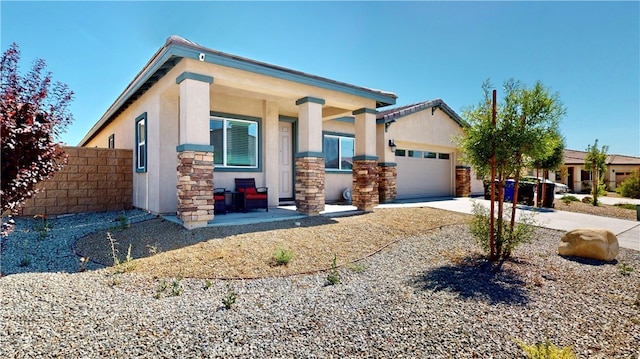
(628, 232)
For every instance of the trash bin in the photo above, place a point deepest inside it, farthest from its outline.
(487, 189)
(526, 190)
(508, 190)
(549, 195)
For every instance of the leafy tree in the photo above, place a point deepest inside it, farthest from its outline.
(33, 115)
(553, 161)
(595, 161)
(525, 130)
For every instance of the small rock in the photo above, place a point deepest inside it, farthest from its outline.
(593, 243)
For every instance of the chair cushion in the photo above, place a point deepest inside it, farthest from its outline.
(250, 190)
(218, 198)
(255, 196)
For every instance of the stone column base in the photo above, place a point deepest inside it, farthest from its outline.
(310, 185)
(463, 181)
(365, 184)
(387, 182)
(195, 188)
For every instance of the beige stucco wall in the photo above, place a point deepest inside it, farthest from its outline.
(234, 92)
(426, 132)
(422, 130)
(335, 184)
(154, 190)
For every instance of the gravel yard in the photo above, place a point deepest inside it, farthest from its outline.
(426, 295)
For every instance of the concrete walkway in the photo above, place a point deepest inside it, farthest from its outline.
(628, 232)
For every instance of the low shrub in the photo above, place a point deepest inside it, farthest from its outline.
(630, 187)
(282, 256)
(630, 206)
(587, 200)
(334, 276)
(507, 241)
(229, 298)
(567, 199)
(546, 350)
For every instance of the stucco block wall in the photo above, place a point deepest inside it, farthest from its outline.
(94, 180)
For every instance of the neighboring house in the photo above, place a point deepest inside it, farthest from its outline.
(197, 118)
(573, 174)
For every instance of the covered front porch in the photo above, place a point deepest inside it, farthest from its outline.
(271, 124)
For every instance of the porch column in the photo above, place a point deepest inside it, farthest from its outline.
(365, 162)
(195, 154)
(271, 145)
(387, 167)
(309, 162)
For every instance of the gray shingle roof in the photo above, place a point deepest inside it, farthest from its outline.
(395, 113)
(573, 157)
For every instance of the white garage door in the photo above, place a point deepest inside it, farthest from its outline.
(420, 174)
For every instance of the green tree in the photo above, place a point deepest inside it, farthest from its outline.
(553, 161)
(526, 129)
(596, 162)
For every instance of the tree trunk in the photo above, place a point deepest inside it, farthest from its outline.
(594, 184)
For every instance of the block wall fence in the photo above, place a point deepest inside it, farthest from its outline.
(93, 180)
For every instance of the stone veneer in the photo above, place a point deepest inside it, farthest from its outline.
(195, 188)
(387, 182)
(463, 181)
(365, 184)
(310, 185)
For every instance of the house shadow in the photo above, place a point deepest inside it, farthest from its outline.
(475, 279)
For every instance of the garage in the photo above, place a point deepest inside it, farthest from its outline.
(423, 174)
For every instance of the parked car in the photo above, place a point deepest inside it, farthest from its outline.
(561, 188)
(558, 187)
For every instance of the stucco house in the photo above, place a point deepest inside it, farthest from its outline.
(197, 118)
(425, 152)
(573, 174)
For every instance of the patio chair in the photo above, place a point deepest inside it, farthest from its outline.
(254, 197)
(220, 205)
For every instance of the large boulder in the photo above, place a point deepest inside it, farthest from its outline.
(589, 243)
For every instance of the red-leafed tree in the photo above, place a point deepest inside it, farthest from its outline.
(33, 114)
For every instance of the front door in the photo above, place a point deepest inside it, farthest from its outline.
(285, 160)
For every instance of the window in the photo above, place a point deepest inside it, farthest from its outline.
(401, 153)
(430, 154)
(112, 141)
(235, 142)
(585, 175)
(141, 143)
(443, 156)
(338, 152)
(416, 154)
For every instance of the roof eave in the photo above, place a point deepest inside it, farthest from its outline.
(177, 48)
(392, 115)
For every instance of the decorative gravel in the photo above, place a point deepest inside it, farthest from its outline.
(47, 248)
(428, 296)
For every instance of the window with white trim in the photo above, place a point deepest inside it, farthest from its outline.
(235, 142)
(338, 152)
(112, 141)
(141, 143)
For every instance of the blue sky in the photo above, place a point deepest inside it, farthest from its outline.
(588, 52)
